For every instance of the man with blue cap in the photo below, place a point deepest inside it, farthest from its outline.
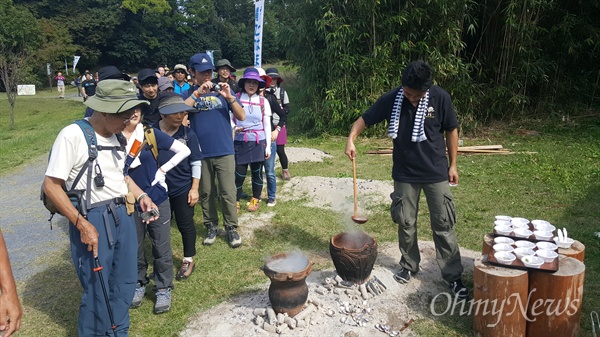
(212, 125)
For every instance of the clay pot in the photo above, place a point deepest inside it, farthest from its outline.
(288, 291)
(353, 255)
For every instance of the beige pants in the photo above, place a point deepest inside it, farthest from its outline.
(61, 91)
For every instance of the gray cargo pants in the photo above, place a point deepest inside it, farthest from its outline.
(404, 210)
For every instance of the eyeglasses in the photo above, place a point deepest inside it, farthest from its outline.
(127, 120)
(179, 72)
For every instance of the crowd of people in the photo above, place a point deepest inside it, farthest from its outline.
(164, 141)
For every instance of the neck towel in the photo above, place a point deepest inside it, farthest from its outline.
(418, 132)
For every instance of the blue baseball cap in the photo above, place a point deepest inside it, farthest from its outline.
(201, 62)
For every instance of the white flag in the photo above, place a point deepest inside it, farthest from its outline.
(75, 60)
(259, 9)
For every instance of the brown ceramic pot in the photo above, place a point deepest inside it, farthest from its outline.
(353, 255)
(288, 291)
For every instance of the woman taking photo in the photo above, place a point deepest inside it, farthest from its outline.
(250, 141)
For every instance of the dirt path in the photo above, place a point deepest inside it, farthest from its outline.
(24, 221)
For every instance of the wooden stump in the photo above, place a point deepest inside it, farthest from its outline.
(576, 251)
(555, 300)
(497, 293)
(488, 242)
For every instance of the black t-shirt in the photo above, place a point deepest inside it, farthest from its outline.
(422, 162)
(150, 112)
(89, 86)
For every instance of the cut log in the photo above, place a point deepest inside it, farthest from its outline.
(576, 251)
(481, 147)
(488, 242)
(496, 296)
(554, 307)
(484, 151)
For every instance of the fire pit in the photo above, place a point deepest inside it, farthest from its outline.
(353, 254)
(288, 291)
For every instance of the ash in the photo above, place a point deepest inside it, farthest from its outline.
(334, 308)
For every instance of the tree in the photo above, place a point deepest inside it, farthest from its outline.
(19, 36)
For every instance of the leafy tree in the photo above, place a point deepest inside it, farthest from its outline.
(19, 37)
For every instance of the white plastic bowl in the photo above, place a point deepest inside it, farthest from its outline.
(504, 257)
(524, 244)
(546, 255)
(537, 222)
(503, 247)
(504, 239)
(520, 252)
(520, 222)
(505, 223)
(532, 261)
(522, 232)
(543, 235)
(503, 217)
(564, 244)
(547, 227)
(546, 245)
(503, 230)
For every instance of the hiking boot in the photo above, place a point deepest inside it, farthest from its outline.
(212, 231)
(138, 296)
(253, 205)
(163, 301)
(271, 202)
(403, 276)
(187, 268)
(233, 237)
(286, 174)
(460, 291)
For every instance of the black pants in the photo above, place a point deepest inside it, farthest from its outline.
(184, 216)
(257, 179)
(283, 159)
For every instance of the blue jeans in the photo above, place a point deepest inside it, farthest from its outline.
(117, 245)
(270, 172)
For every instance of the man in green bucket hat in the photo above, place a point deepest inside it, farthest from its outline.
(106, 232)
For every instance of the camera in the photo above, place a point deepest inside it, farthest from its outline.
(147, 215)
(216, 87)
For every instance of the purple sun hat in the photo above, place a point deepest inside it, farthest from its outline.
(252, 74)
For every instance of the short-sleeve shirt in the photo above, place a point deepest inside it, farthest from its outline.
(212, 125)
(89, 86)
(179, 178)
(421, 162)
(70, 154)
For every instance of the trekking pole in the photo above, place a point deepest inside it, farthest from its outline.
(98, 269)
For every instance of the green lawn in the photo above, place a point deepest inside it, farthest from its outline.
(559, 183)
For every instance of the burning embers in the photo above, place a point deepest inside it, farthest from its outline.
(353, 254)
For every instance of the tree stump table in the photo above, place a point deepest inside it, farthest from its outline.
(488, 242)
(497, 294)
(576, 251)
(555, 300)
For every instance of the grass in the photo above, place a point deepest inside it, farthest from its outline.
(560, 183)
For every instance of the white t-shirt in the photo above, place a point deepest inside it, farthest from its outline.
(70, 155)
(285, 99)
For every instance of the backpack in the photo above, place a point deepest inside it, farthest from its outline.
(151, 139)
(77, 196)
